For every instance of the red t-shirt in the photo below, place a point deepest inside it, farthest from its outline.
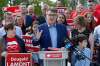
(12, 45)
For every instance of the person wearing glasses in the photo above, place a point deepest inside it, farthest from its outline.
(51, 34)
(7, 20)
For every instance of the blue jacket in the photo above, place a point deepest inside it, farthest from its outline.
(45, 40)
(84, 62)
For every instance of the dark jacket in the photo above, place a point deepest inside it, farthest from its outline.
(3, 43)
(28, 21)
(45, 40)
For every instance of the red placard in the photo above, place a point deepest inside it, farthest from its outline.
(12, 9)
(53, 55)
(18, 59)
(61, 9)
(28, 44)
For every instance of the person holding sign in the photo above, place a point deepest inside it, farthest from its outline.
(11, 43)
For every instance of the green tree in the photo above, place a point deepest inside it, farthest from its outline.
(38, 6)
(2, 4)
(65, 2)
(17, 2)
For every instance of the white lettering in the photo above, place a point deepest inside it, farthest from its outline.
(19, 59)
(20, 64)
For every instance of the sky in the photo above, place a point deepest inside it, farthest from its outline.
(54, 0)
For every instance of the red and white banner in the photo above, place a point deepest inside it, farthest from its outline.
(18, 59)
(28, 44)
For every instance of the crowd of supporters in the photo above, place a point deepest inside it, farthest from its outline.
(51, 29)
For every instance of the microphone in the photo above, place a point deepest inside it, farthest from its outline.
(68, 44)
(80, 54)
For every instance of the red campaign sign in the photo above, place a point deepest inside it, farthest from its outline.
(19, 59)
(61, 9)
(12, 9)
(28, 44)
(53, 55)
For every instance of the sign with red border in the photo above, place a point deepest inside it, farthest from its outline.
(61, 9)
(18, 59)
(28, 44)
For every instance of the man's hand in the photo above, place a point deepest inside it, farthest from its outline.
(3, 54)
(38, 34)
(63, 48)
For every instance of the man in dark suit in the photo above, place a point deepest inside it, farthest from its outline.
(51, 34)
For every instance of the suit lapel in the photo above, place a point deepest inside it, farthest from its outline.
(48, 35)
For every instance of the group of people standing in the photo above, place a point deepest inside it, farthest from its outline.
(50, 30)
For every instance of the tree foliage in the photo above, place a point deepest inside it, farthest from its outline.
(38, 6)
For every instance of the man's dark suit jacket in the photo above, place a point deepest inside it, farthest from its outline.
(45, 40)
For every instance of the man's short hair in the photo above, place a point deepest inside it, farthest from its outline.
(52, 10)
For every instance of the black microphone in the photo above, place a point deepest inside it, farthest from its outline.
(68, 44)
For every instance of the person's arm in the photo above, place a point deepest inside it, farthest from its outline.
(96, 40)
(21, 44)
(23, 47)
(2, 32)
(19, 31)
(2, 47)
(91, 41)
(37, 36)
(88, 54)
